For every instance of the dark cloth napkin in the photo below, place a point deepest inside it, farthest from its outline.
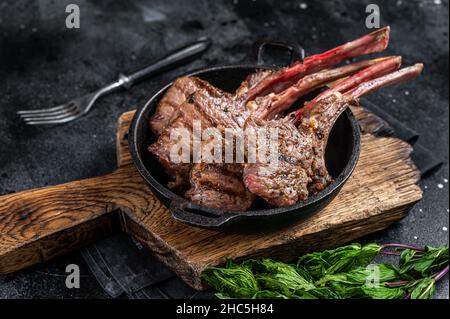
(123, 267)
(422, 157)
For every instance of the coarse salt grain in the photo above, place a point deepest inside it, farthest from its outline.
(444, 228)
(303, 6)
(440, 186)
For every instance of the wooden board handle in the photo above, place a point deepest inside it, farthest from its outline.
(39, 224)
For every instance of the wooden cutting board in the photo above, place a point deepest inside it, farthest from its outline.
(39, 224)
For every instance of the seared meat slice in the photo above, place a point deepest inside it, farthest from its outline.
(168, 108)
(219, 186)
(178, 172)
(286, 182)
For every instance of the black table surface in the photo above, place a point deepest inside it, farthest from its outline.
(42, 63)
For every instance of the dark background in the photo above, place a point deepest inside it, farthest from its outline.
(42, 64)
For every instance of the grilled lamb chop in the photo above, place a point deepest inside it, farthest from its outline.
(301, 171)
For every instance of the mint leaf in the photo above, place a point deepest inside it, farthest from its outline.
(424, 289)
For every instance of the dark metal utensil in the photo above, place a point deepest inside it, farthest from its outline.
(81, 106)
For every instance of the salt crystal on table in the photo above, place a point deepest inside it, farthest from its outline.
(303, 6)
(438, 2)
(406, 92)
(440, 186)
(444, 228)
(421, 210)
(445, 180)
(415, 237)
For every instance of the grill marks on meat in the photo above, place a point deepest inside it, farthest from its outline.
(168, 108)
(288, 180)
(301, 170)
(178, 172)
(219, 186)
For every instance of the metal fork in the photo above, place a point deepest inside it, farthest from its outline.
(80, 106)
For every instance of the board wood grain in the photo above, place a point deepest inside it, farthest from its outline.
(40, 224)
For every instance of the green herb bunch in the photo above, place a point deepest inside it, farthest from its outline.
(345, 272)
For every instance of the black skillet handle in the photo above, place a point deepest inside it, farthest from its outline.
(297, 53)
(186, 212)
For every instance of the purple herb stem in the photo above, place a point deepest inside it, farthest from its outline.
(441, 274)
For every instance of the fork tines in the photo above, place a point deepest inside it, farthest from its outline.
(55, 115)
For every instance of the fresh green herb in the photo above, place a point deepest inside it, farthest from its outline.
(234, 281)
(345, 272)
(420, 263)
(341, 259)
(424, 289)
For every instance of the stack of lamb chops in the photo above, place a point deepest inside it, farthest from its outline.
(259, 103)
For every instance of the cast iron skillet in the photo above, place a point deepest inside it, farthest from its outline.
(341, 156)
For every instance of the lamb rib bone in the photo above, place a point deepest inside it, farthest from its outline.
(268, 106)
(373, 42)
(376, 70)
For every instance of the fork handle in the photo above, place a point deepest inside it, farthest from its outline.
(171, 60)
